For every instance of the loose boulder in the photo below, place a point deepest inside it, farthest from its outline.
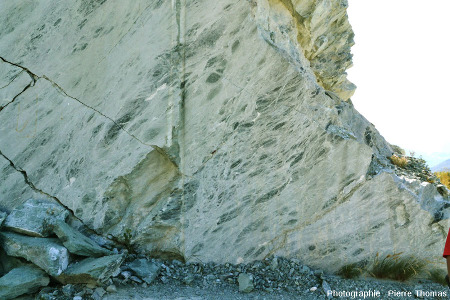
(245, 283)
(23, 280)
(76, 242)
(46, 253)
(145, 269)
(91, 270)
(34, 217)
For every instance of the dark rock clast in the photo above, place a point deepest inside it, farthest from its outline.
(46, 253)
(92, 270)
(23, 280)
(76, 242)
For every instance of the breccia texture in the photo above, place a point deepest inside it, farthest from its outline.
(204, 130)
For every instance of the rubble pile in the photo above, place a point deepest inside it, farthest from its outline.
(38, 246)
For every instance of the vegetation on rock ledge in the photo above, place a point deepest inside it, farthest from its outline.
(444, 177)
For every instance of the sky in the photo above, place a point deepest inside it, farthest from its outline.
(401, 67)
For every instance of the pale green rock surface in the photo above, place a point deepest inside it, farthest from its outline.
(22, 280)
(76, 242)
(91, 270)
(13, 81)
(14, 190)
(205, 131)
(46, 253)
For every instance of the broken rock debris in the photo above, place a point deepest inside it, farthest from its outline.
(34, 217)
(46, 253)
(23, 280)
(76, 242)
(29, 233)
(92, 270)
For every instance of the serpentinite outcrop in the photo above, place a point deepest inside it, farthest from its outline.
(201, 130)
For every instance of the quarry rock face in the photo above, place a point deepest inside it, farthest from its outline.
(225, 136)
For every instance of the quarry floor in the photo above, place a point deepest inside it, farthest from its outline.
(224, 292)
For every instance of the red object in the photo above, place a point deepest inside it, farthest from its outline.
(447, 245)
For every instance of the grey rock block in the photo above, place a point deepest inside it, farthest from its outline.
(245, 283)
(76, 242)
(91, 270)
(34, 217)
(145, 269)
(22, 280)
(46, 253)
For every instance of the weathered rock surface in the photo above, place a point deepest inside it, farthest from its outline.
(224, 132)
(35, 217)
(76, 242)
(14, 189)
(91, 270)
(23, 280)
(47, 253)
(146, 270)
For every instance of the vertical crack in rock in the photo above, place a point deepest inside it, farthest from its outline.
(175, 111)
(176, 118)
(36, 77)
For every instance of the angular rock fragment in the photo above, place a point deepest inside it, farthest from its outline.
(245, 283)
(46, 253)
(34, 217)
(145, 269)
(23, 280)
(76, 242)
(91, 270)
(2, 217)
(327, 289)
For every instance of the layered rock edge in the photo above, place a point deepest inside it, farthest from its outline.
(221, 133)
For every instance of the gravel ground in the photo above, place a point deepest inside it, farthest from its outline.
(272, 278)
(228, 291)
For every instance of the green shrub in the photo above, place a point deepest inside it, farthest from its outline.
(350, 271)
(437, 276)
(395, 267)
